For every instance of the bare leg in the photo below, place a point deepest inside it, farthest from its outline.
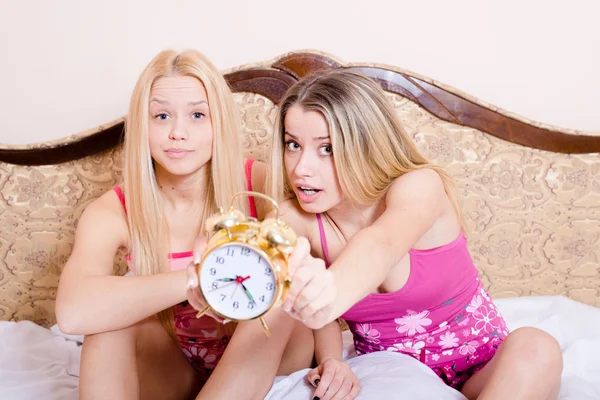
(528, 365)
(139, 362)
(252, 360)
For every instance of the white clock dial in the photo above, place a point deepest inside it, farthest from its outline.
(237, 281)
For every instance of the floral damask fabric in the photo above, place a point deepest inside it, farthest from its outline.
(533, 216)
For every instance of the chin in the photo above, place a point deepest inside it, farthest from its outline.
(313, 208)
(183, 169)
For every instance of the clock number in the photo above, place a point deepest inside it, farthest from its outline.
(230, 251)
(213, 271)
(262, 298)
(236, 305)
(267, 271)
(259, 259)
(245, 251)
(251, 305)
(220, 260)
(270, 286)
(215, 285)
(223, 297)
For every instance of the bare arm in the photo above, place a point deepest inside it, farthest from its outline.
(251, 360)
(332, 377)
(317, 296)
(90, 299)
(413, 203)
(328, 342)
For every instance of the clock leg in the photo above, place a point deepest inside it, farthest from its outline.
(203, 311)
(265, 327)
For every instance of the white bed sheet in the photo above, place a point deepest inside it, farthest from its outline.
(41, 363)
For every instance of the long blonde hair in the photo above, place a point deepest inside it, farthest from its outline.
(148, 227)
(370, 147)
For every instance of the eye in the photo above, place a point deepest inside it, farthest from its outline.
(161, 116)
(197, 115)
(291, 145)
(326, 150)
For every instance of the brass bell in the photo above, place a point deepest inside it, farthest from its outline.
(278, 234)
(224, 220)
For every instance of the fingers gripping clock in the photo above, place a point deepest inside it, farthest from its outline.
(243, 273)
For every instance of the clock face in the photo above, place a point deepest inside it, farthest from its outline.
(237, 281)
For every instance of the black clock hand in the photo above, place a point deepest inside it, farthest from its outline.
(248, 293)
(240, 280)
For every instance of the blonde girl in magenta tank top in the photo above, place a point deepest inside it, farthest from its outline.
(182, 159)
(391, 256)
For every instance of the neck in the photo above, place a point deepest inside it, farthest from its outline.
(182, 193)
(354, 216)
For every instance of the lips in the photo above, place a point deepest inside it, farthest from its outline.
(177, 153)
(307, 193)
(308, 190)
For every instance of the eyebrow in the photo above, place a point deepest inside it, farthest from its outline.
(197, 103)
(159, 101)
(317, 138)
(191, 103)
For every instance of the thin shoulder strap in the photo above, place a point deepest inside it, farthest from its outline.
(119, 192)
(323, 240)
(251, 200)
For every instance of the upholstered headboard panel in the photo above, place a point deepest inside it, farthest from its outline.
(531, 192)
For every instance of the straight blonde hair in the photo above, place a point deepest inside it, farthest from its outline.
(370, 147)
(148, 227)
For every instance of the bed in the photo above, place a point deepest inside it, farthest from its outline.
(531, 194)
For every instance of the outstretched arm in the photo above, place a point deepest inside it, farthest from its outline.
(318, 296)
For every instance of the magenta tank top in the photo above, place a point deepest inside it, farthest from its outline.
(441, 307)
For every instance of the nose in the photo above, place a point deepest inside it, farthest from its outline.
(306, 165)
(179, 131)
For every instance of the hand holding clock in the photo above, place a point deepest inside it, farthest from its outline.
(193, 295)
(313, 291)
(310, 297)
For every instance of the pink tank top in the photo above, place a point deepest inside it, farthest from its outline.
(201, 339)
(440, 311)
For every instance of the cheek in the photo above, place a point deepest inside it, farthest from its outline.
(157, 131)
(203, 133)
(154, 138)
(331, 175)
(288, 163)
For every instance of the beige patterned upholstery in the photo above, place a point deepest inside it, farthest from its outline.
(533, 216)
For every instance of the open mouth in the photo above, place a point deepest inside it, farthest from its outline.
(309, 191)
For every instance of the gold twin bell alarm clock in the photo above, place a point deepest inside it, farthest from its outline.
(244, 270)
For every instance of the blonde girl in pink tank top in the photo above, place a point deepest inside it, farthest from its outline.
(389, 253)
(182, 158)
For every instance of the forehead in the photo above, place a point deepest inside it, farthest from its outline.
(306, 123)
(173, 88)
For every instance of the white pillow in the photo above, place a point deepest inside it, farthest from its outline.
(383, 375)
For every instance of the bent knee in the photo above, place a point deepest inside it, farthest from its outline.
(536, 348)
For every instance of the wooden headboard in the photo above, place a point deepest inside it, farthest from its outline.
(273, 81)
